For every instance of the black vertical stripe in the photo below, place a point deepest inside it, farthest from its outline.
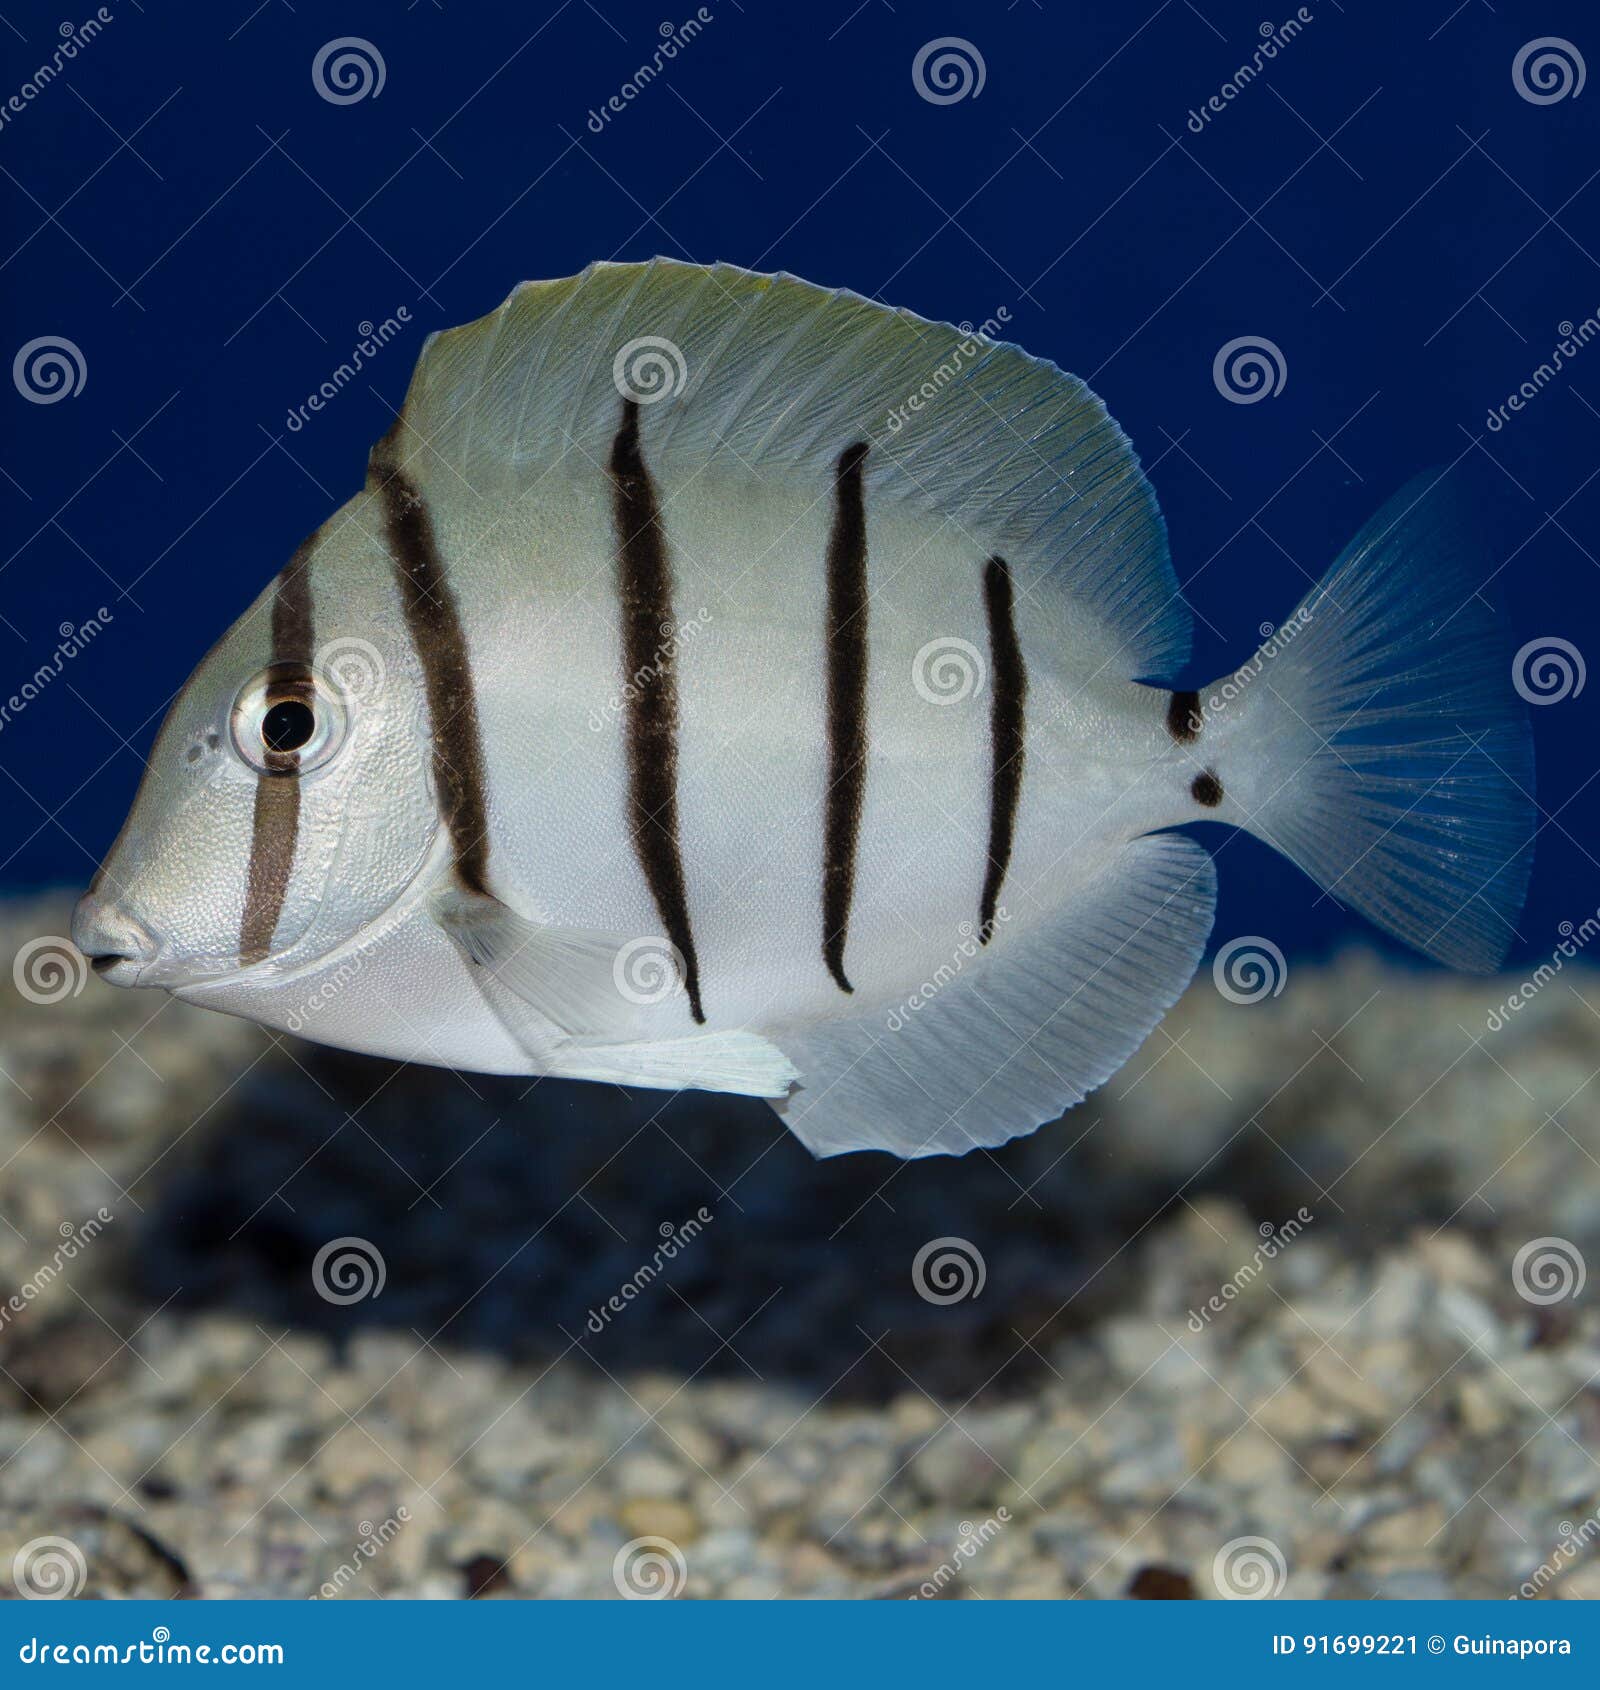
(1007, 730)
(433, 621)
(274, 827)
(275, 820)
(847, 705)
(644, 591)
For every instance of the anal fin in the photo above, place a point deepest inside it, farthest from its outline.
(1045, 1017)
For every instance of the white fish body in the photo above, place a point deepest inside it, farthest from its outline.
(726, 732)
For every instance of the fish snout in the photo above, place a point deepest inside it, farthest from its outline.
(118, 947)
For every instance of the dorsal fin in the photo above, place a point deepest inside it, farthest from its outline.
(779, 374)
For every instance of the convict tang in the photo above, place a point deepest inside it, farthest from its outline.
(724, 682)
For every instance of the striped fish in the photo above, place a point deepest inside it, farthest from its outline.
(677, 705)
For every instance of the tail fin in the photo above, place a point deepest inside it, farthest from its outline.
(1378, 741)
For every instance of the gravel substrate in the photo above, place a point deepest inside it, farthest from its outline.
(1260, 1318)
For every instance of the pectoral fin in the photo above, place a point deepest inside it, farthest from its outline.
(580, 984)
(568, 975)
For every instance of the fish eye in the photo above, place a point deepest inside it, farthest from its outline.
(288, 721)
(288, 725)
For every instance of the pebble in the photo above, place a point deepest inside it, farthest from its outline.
(954, 1468)
(654, 1516)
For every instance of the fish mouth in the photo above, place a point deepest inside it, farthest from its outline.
(122, 951)
(118, 948)
(116, 969)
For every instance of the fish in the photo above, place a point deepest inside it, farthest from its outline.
(724, 682)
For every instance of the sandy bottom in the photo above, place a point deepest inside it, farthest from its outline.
(1303, 1303)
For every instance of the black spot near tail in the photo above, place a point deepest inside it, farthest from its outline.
(1183, 717)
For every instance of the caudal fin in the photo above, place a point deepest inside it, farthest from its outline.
(1378, 741)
